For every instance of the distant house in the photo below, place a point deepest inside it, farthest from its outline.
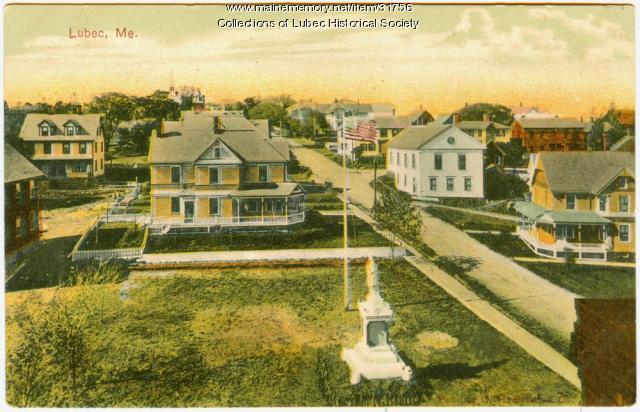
(529, 112)
(582, 203)
(214, 171)
(626, 117)
(66, 145)
(336, 112)
(484, 130)
(551, 134)
(21, 199)
(437, 161)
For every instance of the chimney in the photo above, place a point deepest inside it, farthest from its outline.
(485, 117)
(456, 119)
(216, 124)
(581, 119)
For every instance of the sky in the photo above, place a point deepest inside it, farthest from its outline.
(570, 60)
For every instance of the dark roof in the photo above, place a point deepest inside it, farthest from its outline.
(413, 137)
(551, 123)
(584, 172)
(17, 167)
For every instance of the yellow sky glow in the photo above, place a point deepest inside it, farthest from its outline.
(572, 60)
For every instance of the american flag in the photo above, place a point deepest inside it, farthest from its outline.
(365, 130)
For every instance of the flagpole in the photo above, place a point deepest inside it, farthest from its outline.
(375, 176)
(345, 226)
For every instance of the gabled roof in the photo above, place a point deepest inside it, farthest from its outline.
(188, 145)
(583, 172)
(551, 123)
(392, 122)
(89, 124)
(538, 213)
(413, 137)
(17, 167)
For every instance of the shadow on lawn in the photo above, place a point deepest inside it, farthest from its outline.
(451, 371)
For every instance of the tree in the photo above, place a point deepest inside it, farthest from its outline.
(514, 152)
(116, 108)
(315, 124)
(158, 106)
(395, 214)
(497, 113)
(135, 140)
(607, 127)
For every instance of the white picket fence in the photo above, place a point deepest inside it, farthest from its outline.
(106, 254)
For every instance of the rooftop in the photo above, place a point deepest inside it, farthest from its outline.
(17, 167)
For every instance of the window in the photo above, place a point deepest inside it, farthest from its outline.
(45, 130)
(263, 173)
(390, 157)
(405, 180)
(450, 184)
(624, 233)
(624, 182)
(565, 232)
(438, 162)
(82, 148)
(95, 165)
(467, 184)
(624, 203)
(216, 152)
(214, 206)
(71, 130)
(66, 148)
(79, 167)
(214, 175)
(462, 162)
(175, 205)
(34, 189)
(571, 201)
(101, 164)
(95, 147)
(414, 184)
(413, 161)
(602, 201)
(176, 174)
(433, 184)
(405, 160)
(47, 148)
(101, 146)
(397, 158)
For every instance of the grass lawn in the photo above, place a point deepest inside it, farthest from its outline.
(587, 280)
(129, 160)
(324, 201)
(272, 337)
(469, 221)
(317, 232)
(115, 235)
(55, 198)
(506, 244)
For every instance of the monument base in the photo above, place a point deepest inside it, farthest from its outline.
(379, 362)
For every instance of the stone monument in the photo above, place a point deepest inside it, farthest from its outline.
(375, 357)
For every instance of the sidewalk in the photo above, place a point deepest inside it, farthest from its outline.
(470, 211)
(578, 262)
(270, 255)
(483, 309)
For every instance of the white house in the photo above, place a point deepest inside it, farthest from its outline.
(437, 161)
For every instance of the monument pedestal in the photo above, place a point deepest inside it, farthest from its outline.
(380, 362)
(375, 357)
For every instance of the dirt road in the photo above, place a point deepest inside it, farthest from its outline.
(534, 296)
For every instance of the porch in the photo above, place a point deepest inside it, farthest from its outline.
(556, 233)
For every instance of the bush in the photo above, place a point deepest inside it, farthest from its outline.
(333, 375)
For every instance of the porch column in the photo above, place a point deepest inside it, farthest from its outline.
(262, 209)
(579, 233)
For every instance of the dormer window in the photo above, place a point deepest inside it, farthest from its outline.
(70, 130)
(45, 130)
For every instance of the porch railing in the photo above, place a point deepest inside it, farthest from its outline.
(156, 223)
(558, 248)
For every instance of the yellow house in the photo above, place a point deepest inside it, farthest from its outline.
(485, 131)
(581, 203)
(66, 145)
(227, 174)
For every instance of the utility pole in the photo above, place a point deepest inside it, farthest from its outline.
(345, 226)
